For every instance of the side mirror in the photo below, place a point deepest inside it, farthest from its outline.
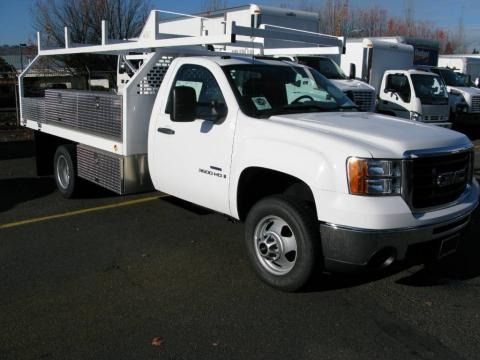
(353, 71)
(184, 104)
(392, 92)
(219, 111)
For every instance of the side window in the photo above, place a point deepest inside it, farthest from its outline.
(399, 83)
(208, 93)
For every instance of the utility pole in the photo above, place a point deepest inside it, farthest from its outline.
(20, 46)
(409, 17)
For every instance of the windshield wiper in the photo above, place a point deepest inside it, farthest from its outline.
(336, 77)
(347, 107)
(308, 106)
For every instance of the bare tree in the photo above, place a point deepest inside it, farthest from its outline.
(338, 18)
(83, 17)
(212, 5)
(125, 20)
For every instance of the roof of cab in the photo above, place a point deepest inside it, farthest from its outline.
(244, 60)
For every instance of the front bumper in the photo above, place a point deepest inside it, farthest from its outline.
(466, 118)
(353, 249)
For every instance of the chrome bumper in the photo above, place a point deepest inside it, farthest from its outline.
(352, 249)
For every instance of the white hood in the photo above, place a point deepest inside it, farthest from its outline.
(346, 85)
(470, 91)
(382, 136)
(467, 93)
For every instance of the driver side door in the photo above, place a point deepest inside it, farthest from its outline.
(395, 98)
(193, 158)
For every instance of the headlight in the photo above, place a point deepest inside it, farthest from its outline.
(461, 107)
(374, 177)
(415, 116)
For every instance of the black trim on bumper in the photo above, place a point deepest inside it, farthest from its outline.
(466, 119)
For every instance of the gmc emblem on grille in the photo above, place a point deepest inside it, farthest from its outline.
(451, 178)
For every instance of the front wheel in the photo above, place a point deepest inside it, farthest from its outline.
(283, 242)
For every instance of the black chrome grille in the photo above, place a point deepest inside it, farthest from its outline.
(439, 180)
(364, 99)
(475, 103)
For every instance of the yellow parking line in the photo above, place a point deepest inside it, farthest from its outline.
(82, 211)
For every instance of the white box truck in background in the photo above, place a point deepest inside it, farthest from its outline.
(361, 93)
(465, 64)
(425, 52)
(401, 91)
(371, 58)
(253, 16)
(464, 99)
(418, 95)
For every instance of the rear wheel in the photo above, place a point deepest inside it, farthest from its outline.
(283, 242)
(64, 170)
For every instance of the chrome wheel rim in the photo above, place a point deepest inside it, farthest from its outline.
(275, 245)
(63, 172)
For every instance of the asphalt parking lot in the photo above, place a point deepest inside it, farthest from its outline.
(151, 277)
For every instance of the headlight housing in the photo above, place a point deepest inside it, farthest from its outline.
(461, 107)
(415, 116)
(374, 176)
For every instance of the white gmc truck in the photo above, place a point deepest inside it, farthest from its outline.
(274, 144)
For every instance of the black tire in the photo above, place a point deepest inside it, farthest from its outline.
(65, 170)
(265, 234)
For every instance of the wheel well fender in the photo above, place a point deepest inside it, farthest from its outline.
(45, 147)
(256, 183)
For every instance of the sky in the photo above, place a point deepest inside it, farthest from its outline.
(16, 17)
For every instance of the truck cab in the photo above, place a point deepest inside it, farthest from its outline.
(415, 95)
(274, 144)
(464, 99)
(361, 93)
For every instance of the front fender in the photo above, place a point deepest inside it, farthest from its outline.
(308, 165)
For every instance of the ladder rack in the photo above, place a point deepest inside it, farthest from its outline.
(151, 38)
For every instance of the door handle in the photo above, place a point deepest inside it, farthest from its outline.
(166, 131)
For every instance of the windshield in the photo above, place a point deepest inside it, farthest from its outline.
(266, 90)
(325, 66)
(450, 77)
(466, 79)
(429, 87)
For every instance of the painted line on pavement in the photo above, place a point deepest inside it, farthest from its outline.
(82, 211)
